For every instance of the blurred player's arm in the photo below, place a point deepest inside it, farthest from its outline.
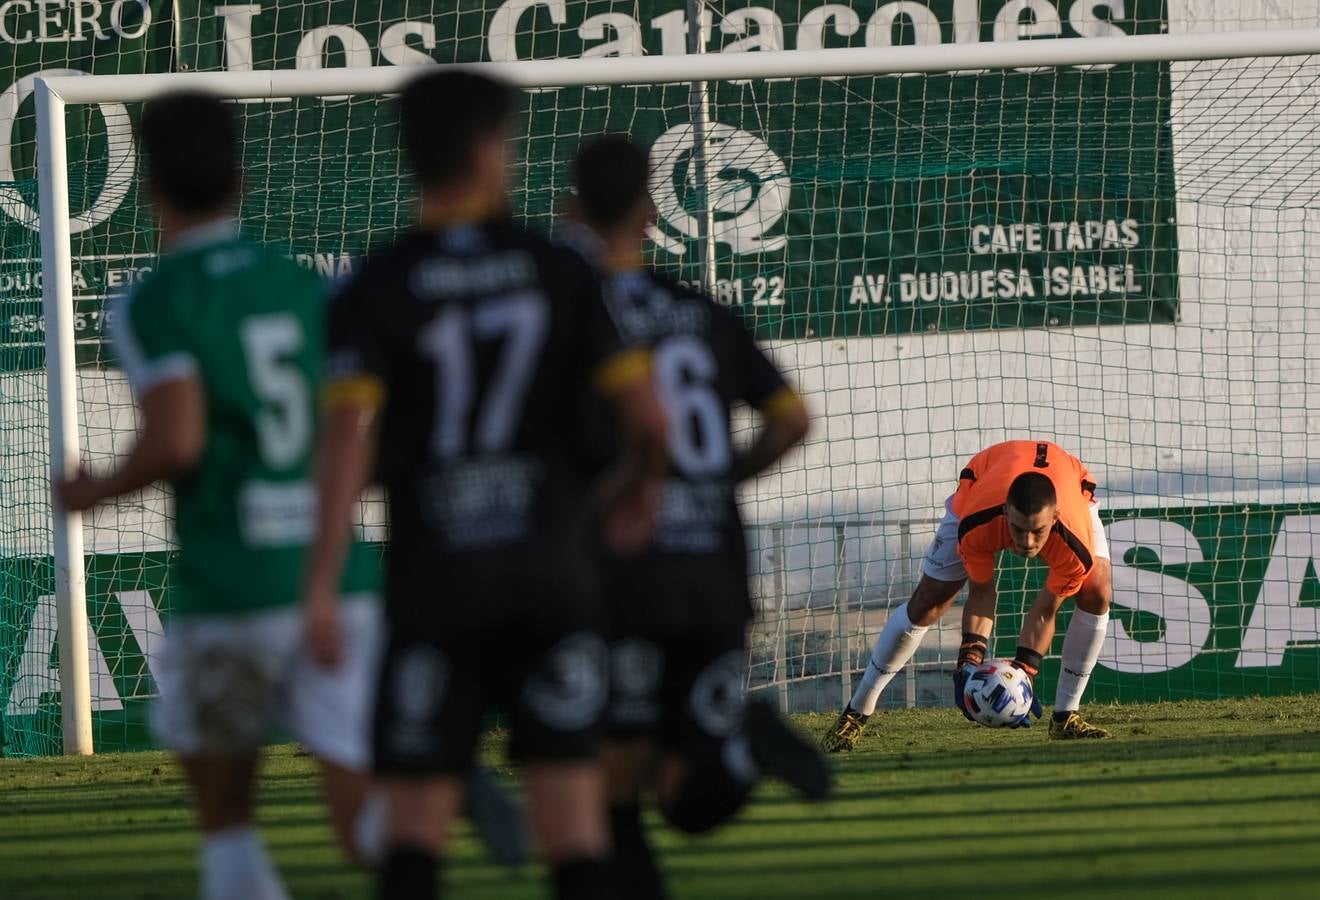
(171, 441)
(345, 456)
(344, 459)
(625, 378)
(627, 492)
(784, 419)
(784, 423)
(354, 393)
(154, 343)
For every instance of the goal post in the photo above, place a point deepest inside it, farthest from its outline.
(61, 392)
(802, 347)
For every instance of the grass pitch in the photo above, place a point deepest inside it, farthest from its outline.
(1189, 800)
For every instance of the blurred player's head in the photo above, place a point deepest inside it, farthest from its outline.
(610, 179)
(190, 141)
(454, 126)
(1032, 509)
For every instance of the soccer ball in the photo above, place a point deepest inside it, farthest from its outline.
(997, 693)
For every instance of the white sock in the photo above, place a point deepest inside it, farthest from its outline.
(892, 650)
(235, 866)
(369, 829)
(1081, 648)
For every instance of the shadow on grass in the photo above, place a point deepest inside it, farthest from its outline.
(743, 834)
(116, 799)
(273, 825)
(1035, 809)
(943, 850)
(1121, 884)
(1036, 786)
(1115, 751)
(1294, 882)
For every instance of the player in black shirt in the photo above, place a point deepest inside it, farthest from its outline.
(679, 611)
(469, 345)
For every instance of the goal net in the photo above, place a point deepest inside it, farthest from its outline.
(967, 248)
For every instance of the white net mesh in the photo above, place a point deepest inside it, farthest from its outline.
(1117, 259)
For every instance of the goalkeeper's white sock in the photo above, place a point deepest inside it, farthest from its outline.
(897, 642)
(235, 866)
(1081, 649)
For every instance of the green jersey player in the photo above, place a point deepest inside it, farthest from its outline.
(222, 345)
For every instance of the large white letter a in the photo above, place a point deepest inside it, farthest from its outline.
(1278, 618)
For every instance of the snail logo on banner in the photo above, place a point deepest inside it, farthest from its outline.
(746, 181)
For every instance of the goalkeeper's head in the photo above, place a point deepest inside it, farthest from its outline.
(1031, 509)
(610, 188)
(190, 142)
(454, 126)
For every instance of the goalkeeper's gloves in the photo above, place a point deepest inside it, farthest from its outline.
(960, 675)
(970, 655)
(1024, 721)
(1028, 662)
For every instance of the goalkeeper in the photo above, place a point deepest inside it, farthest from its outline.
(1033, 499)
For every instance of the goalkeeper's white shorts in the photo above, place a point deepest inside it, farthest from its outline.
(227, 682)
(942, 561)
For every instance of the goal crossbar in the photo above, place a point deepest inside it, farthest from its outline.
(716, 66)
(53, 94)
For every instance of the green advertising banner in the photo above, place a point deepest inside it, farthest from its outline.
(125, 595)
(841, 207)
(68, 38)
(1208, 602)
(1211, 601)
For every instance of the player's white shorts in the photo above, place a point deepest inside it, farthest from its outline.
(943, 562)
(226, 681)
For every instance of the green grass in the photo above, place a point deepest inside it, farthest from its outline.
(1190, 800)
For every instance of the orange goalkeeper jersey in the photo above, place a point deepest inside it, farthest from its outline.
(983, 529)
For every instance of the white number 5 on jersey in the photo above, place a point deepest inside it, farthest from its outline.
(284, 422)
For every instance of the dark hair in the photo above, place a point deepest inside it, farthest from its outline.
(442, 116)
(190, 141)
(610, 175)
(1031, 492)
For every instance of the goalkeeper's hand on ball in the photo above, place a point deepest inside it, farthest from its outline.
(1036, 711)
(960, 675)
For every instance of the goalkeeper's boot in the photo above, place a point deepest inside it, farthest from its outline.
(1074, 727)
(845, 733)
(497, 818)
(780, 751)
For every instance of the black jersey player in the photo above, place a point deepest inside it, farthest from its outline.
(468, 345)
(679, 611)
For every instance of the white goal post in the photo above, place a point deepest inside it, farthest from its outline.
(54, 95)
